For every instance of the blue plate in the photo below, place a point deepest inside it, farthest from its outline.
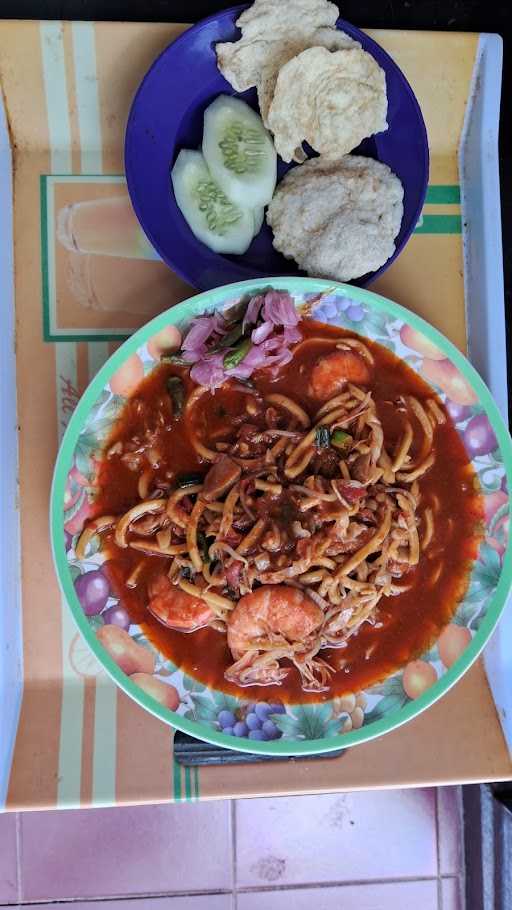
(167, 115)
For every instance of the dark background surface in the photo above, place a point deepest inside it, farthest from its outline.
(443, 15)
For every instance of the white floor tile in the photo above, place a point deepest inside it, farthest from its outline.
(348, 837)
(392, 896)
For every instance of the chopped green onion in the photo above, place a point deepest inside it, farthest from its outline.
(237, 355)
(234, 335)
(176, 390)
(340, 439)
(189, 480)
(204, 543)
(177, 359)
(237, 311)
(322, 437)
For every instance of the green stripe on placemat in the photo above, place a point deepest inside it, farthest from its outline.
(187, 790)
(44, 256)
(439, 224)
(176, 779)
(438, 194)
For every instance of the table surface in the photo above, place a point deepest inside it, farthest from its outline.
(469, 747)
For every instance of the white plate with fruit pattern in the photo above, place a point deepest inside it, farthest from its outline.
(244, 721)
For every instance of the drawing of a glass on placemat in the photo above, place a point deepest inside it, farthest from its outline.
(101, 277)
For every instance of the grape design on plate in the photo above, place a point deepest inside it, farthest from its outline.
(93, 591)
(254, 721)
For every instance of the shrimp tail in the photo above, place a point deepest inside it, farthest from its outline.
(256, 670)
(315, 674)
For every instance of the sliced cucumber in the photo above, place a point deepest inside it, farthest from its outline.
(221, 224)
(259, 218)
(239, 152)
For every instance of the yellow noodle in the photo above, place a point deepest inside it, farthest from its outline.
(316, 340)
(282, 401)
(215, 507)
(212, 529)
(275, 488)
(278, 448)
(174, 571)
(213, 600)
(357, 392)
(414, 544)
(428, 519)
(343, 466)
(385, 463)
(422, 417)
(174, 499)
(222, 547)
(228, 512)
(193, 522)
(312, 577)
(317, 495)
(218, 624)
(247, 464)
(251, 538)
(96, 526)
(436, 411)
(362, 571)
(332, 404)
(144, 481)
(150, 547)
(214, 581)
(150, 506)
(419, 471)
(163, 538)
(359, 347)
(201, 449)
(434, 578)
(403, 448)
(311, 503)
(371, 547)
(334, 594)
(336, 514)
(298, 467)
(339, 418)
(133, 578)
(324, 561)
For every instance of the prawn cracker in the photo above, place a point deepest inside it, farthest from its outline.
(331, 100)
(331, 38)
(274, 32)
(337, 219)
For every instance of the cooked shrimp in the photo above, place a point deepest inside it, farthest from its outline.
(331, 373)
(271, 623)
(175, 608)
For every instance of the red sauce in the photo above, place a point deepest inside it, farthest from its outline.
(409, 622)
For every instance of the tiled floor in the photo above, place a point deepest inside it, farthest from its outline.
(393, 850)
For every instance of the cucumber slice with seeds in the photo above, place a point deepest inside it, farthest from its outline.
(239, 152)
(213, 218)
